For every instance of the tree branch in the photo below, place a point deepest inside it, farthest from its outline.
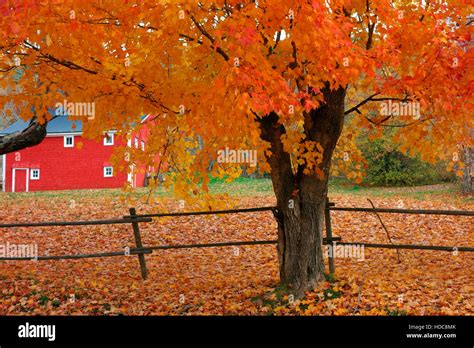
(371, 98)
(210, 38)
(385, 228)
(356, 108)
(31, 136)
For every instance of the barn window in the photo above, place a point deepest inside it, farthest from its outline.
(136, 142)
(35, 174)
(143, 145)
(69, 141)
(108, 172)
(109, 139)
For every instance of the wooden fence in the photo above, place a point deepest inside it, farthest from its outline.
(135, 219)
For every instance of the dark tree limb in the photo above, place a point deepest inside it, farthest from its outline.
(210, 38)
(373, 99)
(385, 228)
(31, 136)
(371, 28)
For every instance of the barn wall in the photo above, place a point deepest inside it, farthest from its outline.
(139, 136)
(143, 134)
(66, 168)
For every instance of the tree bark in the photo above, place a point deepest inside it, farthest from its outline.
(32, 135)
(467, 180)
(301, 197)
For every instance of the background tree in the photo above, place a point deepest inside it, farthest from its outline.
(280, 77)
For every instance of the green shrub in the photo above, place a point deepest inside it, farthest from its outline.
(389, 167)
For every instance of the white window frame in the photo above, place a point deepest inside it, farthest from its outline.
(4, 172)
(65, 140)
(109, 139)
(32, 177)
(136, 142)
(111, 175)
(143, 145)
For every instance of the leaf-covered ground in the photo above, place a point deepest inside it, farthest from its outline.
(230, 280)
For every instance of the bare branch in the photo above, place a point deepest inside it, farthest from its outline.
(209, 36)
(372, 99)
(385, 228)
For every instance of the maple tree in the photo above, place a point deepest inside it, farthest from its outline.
(281, 78)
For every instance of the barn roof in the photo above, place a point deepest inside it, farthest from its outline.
(60, 124)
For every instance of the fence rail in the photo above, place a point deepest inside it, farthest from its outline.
(135, 219)
(406, 211)
(331, 207)
(76, 223)
(131, 251)
(409, 246)
(210, 212)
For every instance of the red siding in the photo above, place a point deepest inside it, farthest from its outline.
(65, 168)
(136, 142)
(20, 180)
(143, 134)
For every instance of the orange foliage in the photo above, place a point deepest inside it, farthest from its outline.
(206, 71)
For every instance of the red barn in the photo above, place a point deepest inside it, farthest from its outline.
(58, 163)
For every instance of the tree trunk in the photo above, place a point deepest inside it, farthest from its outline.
(32, 135)
(468, 177)
(301, 197)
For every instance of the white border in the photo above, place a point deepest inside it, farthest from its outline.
(27, 178)
(4, 172)
(108, 176)
(111, 137)
(31, 173)
(63, 134)
(68, 136)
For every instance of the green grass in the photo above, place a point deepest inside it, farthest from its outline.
(239, 187)
(257, 187)
(242, 187)
(341, 186)
(262, 187)
(63, 194)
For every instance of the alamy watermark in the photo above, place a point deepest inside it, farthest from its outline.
(350, 251)
(396, 108)
(37, 331)
(29, 251)
(237, 156)
(75, 109)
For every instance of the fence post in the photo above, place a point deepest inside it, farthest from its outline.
(327, 220)
(138, 242)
